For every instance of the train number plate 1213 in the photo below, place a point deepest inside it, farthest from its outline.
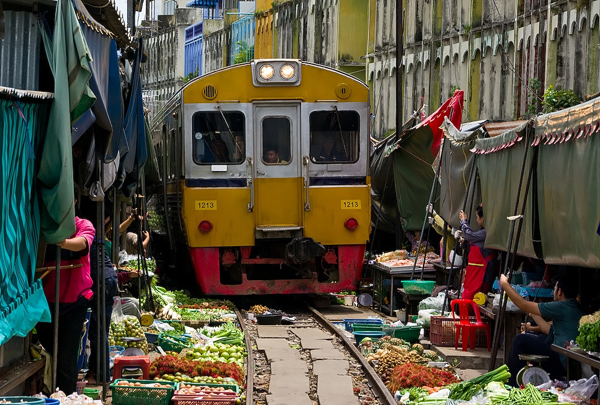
(206, 205)
(350, 204)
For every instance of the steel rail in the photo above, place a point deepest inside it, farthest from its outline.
(249, 360)
(379, 389)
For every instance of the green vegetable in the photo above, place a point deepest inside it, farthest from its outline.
(467, 389)
(589, 333)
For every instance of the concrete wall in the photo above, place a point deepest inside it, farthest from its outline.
(488, 48)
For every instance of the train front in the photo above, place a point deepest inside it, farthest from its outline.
(277, 194)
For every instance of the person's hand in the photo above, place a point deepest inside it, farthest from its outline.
(134, 274)
(146, 234)
(462, 215)
(430, 220)
(525, 327)
(430, 210)
(504, 281)
(62, 244)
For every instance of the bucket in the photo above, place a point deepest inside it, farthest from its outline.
(348, 300)
(81, 387)
(23, 400)
(51, 401)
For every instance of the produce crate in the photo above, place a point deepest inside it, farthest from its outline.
(172, 344)
(205, 400)
(234, 387)
(349, 321)
(197, 323)
(408, 333)
(418, 287)
(142, 395)
(443, 332)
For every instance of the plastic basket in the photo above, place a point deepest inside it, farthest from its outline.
(24, 400)
(142, 395)
(408, 333)
(418, 287)
(172, 344)
(80, 387)
(205, 400)
(366, 327)
(91, 392)
(234, 387)
(349, 321)
(373, 334)
(443, 332)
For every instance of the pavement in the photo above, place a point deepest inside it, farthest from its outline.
(290, 374)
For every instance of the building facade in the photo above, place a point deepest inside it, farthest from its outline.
(503, 54)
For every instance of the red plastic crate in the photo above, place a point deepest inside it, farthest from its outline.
(443, 332)
(205, 399)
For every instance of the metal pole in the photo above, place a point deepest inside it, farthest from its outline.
(103, 337)
(399, 102)
(431, 194)
(508, 270)
(56, 316)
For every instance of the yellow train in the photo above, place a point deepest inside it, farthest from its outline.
(264, 178)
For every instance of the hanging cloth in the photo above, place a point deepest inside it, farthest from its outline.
(22, 299)
(69, 60)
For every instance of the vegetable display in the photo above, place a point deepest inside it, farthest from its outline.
(589, 336)
(415, 375)
(128, 327)
(218, 352)
(465, 390)
(191, 369)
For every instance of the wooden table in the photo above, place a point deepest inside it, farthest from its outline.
(573, 358)
(381, 273)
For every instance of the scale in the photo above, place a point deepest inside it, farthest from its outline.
(480, 298)
(535, 375)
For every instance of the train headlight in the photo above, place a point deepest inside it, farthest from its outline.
(351, 224)
(287, 72)
(205, 226)
(267, 72)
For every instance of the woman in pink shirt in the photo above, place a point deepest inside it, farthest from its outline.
(75, 294)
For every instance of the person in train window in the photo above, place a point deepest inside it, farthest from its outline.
(272, 156)
(329, 152)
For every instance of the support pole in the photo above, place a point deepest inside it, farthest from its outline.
(56, 316)
(399, 102)
(508, 270)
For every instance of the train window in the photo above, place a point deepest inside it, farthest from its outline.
(276, 140)
(218, 137)
(334, 136)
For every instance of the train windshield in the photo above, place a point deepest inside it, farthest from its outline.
(219, 137)
(334, 136)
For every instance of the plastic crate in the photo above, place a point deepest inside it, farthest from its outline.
(349, 321)
(358, 327)
(418, 287)
(408, 333)
(172, 344)
(234, 387)
(205, 400)
(443, 332)
(142, 395)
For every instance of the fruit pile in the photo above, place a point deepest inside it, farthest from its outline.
(218, 352)
(129, 327)
(123, 383)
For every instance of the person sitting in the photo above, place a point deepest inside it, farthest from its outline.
(564, 312)
(329, 151)
(272, 156)
(480, 270)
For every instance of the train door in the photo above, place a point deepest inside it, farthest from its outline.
(278, 167)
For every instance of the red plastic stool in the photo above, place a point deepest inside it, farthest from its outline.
(142, 362)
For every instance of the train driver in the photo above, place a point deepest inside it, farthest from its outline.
(272, 156)
(329, 152)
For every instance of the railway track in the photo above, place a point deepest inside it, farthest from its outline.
(311, 361)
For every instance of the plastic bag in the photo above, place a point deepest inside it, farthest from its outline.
(510, 306)
(117, 312)
(584, 388)
(131, 306)
(433, 302)
(425, 315)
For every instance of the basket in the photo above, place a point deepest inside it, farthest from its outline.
(373, 334)
(151, 337)
(408, 333)
(141, 395)
(80, 387)
(443, 332)
(268, 319)
(172, 344)
(359, 327)
(418, 287)
(234, 387)
(205, 400)
(24, 400)
(91, 392)
(349, 321)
